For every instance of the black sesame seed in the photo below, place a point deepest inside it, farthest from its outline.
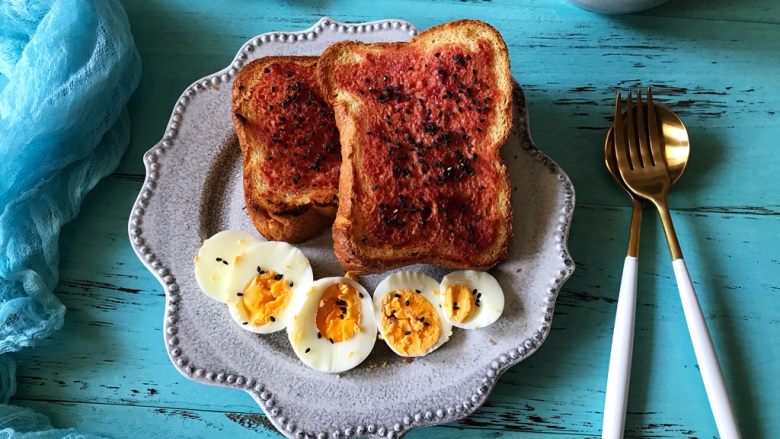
(319, 335)
(343, 309)
(292, 284)
(474, 291)
(422, 319)
(407, 303)
(278, 277)
(479, 295)
(398, 296)
(260, 270)
(245, 323)
(455, 307)
(219, 259)
(239, 294)
(273, 319)
(307, 350)
(266, 70)
(224, 262)
(426, 324)
(407, 332)
(417, 291)
(340, 302)
(331, 340)
(361, 295)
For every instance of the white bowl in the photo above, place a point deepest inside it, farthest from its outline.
(617, 6)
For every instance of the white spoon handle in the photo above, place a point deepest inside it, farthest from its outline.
(705, 354)
(620, 356)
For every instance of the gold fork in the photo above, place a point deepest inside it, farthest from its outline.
(642, 164)
(619, 374)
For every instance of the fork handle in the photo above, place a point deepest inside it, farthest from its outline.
(705, 354)
(620, 356)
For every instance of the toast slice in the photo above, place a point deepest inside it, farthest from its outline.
(290, 147)
(421, 125)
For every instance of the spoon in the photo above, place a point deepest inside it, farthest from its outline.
(676, 150)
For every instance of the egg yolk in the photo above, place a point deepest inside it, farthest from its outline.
(459, 303)
(263, 298)
(338, 314)
(410, 323)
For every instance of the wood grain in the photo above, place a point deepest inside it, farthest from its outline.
(716, 64)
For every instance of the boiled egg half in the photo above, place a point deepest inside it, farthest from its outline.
(267, 283)
(334, 329)
(408, 313)
(215, 261)
(471, 299)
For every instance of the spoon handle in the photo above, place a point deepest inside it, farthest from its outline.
(705, 354)
(620, 356)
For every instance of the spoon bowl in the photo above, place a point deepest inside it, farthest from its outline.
(677, 147)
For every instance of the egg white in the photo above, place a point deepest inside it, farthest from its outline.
(412, 280)
(277, 256)
(491, 299)
(323, 355)
(214, 262)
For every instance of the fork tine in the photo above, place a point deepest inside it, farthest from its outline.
(644, 148)
(633, 150)
(621, 152)
(656, 141)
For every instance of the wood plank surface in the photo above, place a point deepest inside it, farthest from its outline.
(107, 371)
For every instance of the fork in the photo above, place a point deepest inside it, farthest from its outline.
(619, 375)
(642, 164)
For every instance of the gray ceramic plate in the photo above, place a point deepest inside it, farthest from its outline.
(193, 189)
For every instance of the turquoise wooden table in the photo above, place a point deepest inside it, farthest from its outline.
(716, 63)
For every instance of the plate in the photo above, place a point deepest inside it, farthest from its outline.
(193, 189)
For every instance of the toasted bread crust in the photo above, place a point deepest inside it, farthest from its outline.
(360, 258)
(292, 216)
(295, 226)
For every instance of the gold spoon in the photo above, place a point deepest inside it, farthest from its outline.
(676, 149)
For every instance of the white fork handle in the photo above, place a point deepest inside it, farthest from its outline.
(705, 354)
(620, 356)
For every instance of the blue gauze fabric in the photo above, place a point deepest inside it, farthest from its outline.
(67, 69)
(23, 423)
